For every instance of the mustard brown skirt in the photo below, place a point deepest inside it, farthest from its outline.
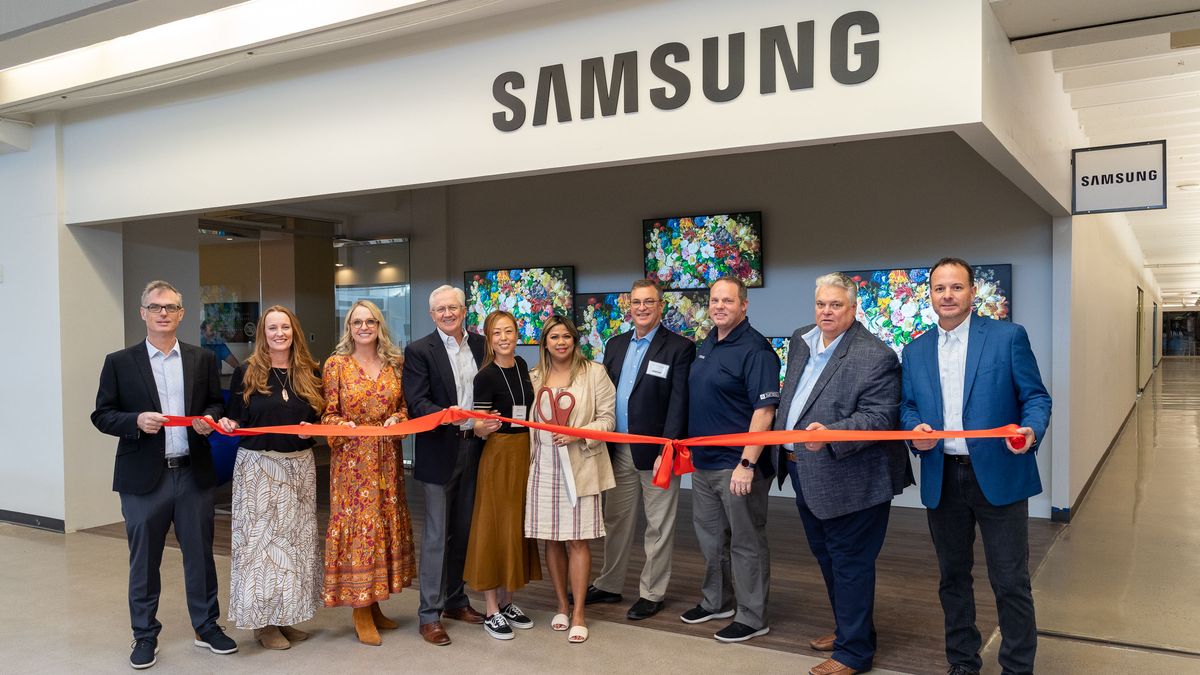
(498, 554)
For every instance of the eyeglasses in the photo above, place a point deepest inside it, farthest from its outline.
(447, 309)
(643, 303)
(157, 309)
(359, 323)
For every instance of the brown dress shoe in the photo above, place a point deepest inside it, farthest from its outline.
(434, 633)
(380, 620)
(293, 634)
(823, 643)
(365, 627)
(465, 613)
(831, 667)
(270, 638)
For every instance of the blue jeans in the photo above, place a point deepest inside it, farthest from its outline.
(1005, 531)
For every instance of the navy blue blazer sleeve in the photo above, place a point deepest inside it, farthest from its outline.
(418, 390)
(1031, 392)
(109, 416)
(675, 425)
(910, 413)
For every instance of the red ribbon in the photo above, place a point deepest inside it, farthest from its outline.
(676, 456)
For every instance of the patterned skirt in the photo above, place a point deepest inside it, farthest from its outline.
(369, 543)
(276, 568)
(548, 511)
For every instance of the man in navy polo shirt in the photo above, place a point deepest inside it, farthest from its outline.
(733, 388)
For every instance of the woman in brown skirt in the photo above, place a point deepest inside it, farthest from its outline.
(500, 559)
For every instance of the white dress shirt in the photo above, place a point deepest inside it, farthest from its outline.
(168, 378)
(462, 361)
(952, 369)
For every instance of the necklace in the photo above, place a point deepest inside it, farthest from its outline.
(282, 384)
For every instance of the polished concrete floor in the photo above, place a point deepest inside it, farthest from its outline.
(1118, 591)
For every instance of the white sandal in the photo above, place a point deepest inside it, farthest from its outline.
(578, 634)
(560, 622)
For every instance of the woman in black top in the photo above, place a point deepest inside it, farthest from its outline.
(500, 559)
(276, 570)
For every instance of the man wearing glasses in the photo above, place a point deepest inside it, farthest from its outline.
(164, 476)
(439, 373)
(649, 366)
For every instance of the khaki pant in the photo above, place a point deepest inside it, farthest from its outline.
(620, 520)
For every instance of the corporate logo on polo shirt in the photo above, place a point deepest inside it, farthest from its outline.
(768, 395)
(849, 64)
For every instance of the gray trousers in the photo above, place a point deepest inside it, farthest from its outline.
(731, 531)
(448, 510)
(636, 487)
(175, 500)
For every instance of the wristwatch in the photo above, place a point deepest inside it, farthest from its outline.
(747, 464)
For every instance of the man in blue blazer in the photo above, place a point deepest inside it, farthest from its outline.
(649, 367)
(977, 373)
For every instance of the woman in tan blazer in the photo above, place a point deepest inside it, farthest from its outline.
(549, 513)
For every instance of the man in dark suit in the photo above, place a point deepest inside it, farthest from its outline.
(840, 376)
(977, 373)
(439, 373)
(649, 367)
(164, 476)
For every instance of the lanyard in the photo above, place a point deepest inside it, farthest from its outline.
(511, 397)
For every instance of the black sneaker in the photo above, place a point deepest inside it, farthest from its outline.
(595, 595)
(216, 641)
(698, 614)
(143, 654)
(739, 632)
(961, 670)
(497, 626)
(516, 618)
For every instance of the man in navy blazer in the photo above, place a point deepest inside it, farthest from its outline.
(840, 376)
(649, 367)
(977, 373)
(439, 373)
(164, 476)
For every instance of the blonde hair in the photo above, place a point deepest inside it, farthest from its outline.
(301, 365)
(389, 353)
(578, 361)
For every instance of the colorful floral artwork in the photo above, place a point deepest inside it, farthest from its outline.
(781, 350)
(532, 294)
(692, 252)
(600, 316)
(686, 313)
(895, 304)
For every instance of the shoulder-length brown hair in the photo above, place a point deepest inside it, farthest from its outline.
(389, 353)
(301, 365)
(578, 360)
(489, 324)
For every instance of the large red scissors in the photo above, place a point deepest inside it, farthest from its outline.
(556, 408)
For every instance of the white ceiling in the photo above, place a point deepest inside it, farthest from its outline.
(1117, 64)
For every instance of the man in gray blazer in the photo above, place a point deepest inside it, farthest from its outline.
(840, 376)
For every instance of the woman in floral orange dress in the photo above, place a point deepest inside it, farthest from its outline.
(368, 546)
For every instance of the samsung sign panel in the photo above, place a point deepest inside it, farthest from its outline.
(1129, 177)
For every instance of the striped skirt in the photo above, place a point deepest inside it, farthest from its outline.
(548, 511)
(276, 564)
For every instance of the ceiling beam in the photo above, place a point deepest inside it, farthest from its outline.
(1117, 30)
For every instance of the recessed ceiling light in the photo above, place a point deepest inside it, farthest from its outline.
(228, 238)
(339, 264)
(1188, 187)
(382, 262)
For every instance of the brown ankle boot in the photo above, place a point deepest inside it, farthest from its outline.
(365, 627)
(380, 620)
(293, 634)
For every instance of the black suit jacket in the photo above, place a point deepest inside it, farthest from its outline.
(428, 381)
(658, 406)
(127, 389)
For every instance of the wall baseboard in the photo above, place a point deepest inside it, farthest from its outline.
(30, 520)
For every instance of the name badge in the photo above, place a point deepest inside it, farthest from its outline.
(657, 369)
(520, 412)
